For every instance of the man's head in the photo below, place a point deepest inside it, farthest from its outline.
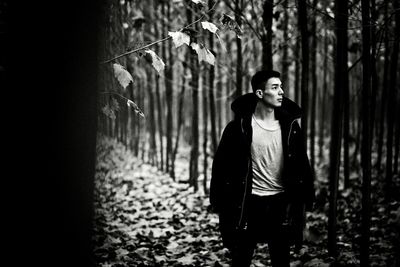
(267, 86)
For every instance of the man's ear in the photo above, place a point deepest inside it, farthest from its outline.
(259, 93)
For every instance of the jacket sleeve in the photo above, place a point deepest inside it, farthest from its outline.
(219, 167)
(307, 172)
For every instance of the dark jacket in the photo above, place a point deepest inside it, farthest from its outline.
(231, 180)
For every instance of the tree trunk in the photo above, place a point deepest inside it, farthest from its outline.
(180, 118)
(220, 103)
(336, 129)
(285, 53)
(392, 104)
(214, 140)
(323, 99)
(159, 106)
(152, 121)
(239, 59)
(302, 20)
(267, 17)
(366, 141)
(314, 87)
(194, 84)
(346, 103)
(205, 136)
(167, 52)
(397, 143)
(385, 82)
(297, 79)
(374, 73)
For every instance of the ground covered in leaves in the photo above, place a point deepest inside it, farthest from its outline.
(144, 218)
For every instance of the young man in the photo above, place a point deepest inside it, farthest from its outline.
(261, 177)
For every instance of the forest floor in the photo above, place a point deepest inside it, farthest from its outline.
(144, 218)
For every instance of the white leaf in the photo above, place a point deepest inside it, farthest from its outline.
(135, 107)
(179, 38)
(157, 62)
(203, 54)
(199, 2)
(123, 76)
(209, 26)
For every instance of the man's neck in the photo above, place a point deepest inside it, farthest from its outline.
(264, 113)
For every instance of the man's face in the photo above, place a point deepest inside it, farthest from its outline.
(272, 95)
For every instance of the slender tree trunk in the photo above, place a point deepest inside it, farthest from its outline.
(323, 98)
(346, 135)
(366, 135)
(267, 17)
(392, 104)
(385, 82)
(152, 121)
(180, 118)
(336, 129)
(346, 103)
(374, 73)
(297, 79)
(220, 104)
(358, 139)
(302, 20)
(397, 142)
(239, 59)
(167, 52)
(205, 136)
(194, 84)
(285, 52)
(214, 140)
(159, 106)
(314, 87)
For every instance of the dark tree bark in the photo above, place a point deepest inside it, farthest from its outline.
(297, 79)
(239, 59)
(194, 84)
(336, 129)
(323, 98)
(180, 118)
(220, 105)
(385, 82)
(159, 106)
(346, 102)
(391, 107)
(302, 21)
(374, 73)
(151, 97)
(366, 134)
(267, 37)
(214, 140)
(314, 86)
(205, 135)
(285, 53)
(167, 52)
(397, 143)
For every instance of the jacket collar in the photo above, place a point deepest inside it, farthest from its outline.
(245, 105)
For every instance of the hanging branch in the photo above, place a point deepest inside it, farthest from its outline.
(162, 40)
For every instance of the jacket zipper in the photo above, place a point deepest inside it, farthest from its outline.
(245, 184)
(244, 194)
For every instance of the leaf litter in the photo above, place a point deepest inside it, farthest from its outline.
(144, 218)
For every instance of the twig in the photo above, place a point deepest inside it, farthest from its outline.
(105, 92)
(162, 40)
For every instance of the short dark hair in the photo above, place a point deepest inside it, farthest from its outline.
(261, 77)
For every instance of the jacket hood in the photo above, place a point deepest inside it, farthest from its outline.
(245, 105)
